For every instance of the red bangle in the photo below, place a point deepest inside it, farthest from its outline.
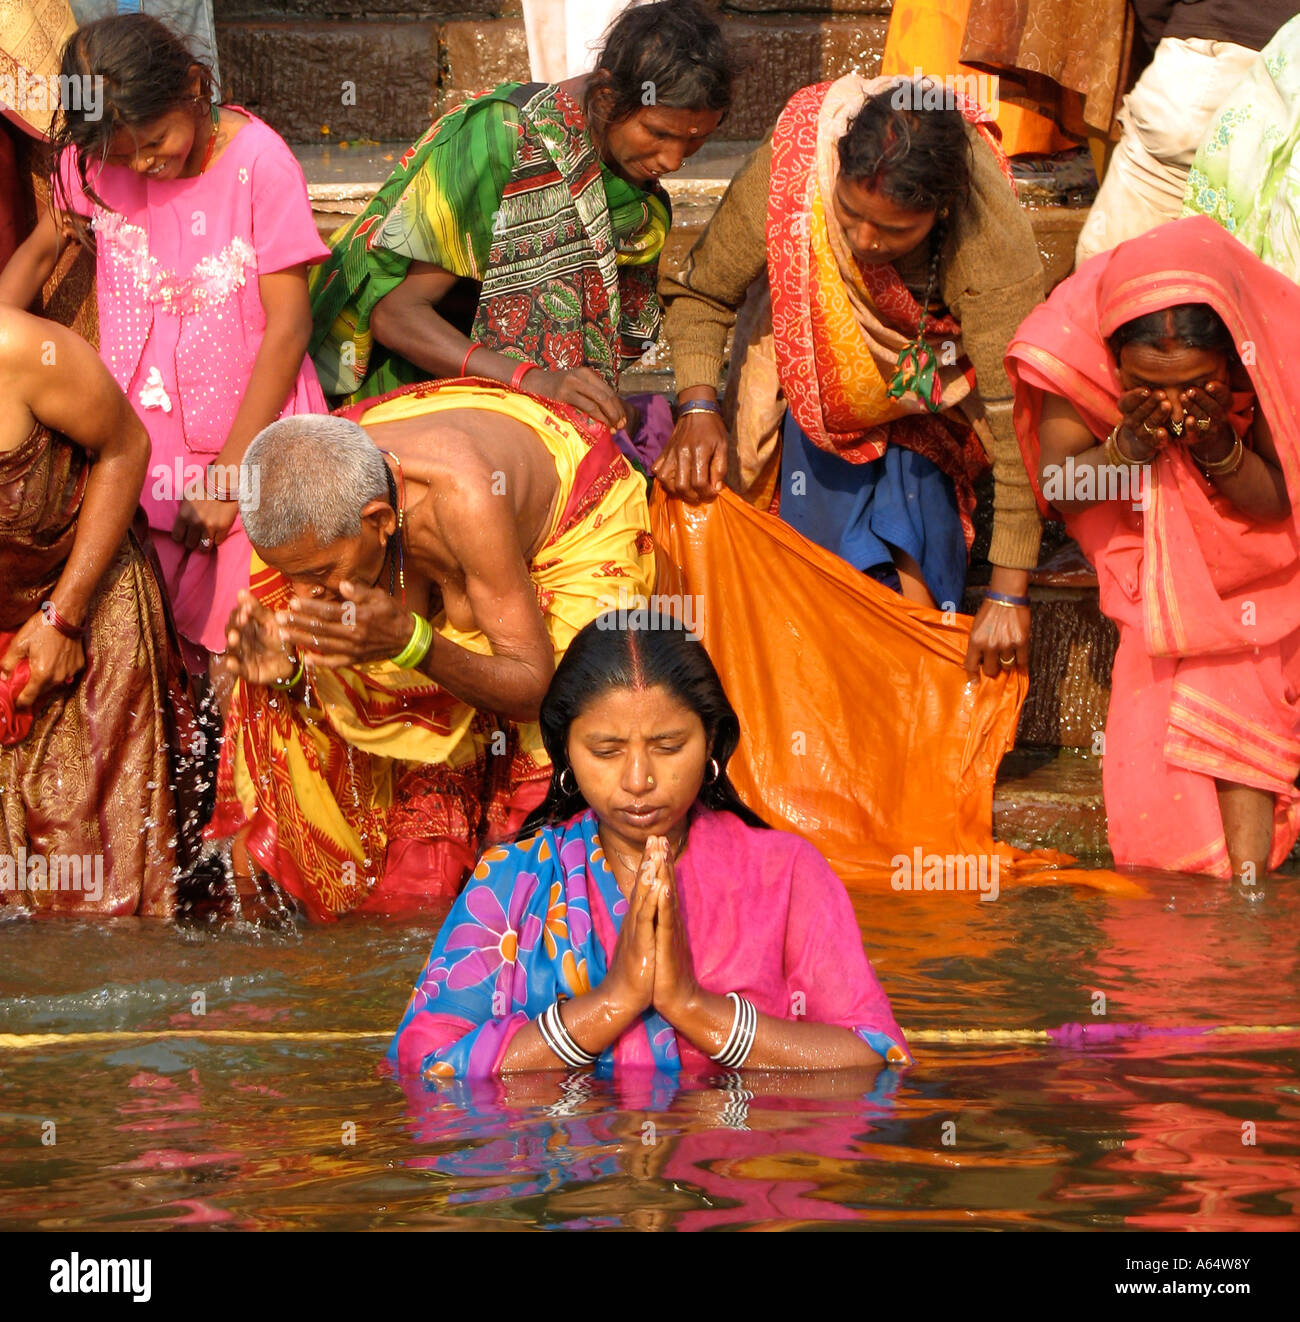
(50, 612)
(519, 373)
(469, 353)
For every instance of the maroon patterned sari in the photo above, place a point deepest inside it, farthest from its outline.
(88, 790)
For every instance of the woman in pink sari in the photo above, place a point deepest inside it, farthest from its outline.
(1154, 405)
(652, 920)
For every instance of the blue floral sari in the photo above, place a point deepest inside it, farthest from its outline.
(495, 966)
(764, 915)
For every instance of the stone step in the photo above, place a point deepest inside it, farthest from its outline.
(1050, 798)
(379, 69)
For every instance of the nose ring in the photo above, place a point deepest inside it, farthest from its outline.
(650, 780)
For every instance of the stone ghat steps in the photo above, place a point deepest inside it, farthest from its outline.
(384, 68)
(1050, 798)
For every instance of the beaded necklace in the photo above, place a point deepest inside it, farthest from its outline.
(397, 498)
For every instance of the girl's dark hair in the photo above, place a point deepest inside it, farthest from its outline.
(673, 51)
(146, 71)
(1196, 325)
(613, 653)
(919, 159)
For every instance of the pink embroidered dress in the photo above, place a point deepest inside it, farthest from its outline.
(181, 322)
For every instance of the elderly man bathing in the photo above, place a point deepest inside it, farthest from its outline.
(414, 585)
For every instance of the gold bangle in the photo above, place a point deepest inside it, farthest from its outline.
(1115, 455)
(1226, 466)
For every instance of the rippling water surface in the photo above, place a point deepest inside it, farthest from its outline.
(1161, 1132)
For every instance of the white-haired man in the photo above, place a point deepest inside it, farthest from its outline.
(416, 582)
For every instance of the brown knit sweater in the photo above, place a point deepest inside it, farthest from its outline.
(990, 278)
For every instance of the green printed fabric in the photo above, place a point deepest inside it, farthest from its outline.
(506, 190)
(1246, 174)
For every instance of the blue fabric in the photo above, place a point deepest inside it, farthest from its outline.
(536, 893)
(861, 511)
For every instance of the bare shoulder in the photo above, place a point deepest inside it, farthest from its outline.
(17, 335)
(25, 342)
(18, 344)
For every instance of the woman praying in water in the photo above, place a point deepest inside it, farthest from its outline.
(646, 918)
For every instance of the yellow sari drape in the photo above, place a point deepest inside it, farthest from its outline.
(319, 780)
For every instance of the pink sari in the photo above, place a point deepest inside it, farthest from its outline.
(1207, 601)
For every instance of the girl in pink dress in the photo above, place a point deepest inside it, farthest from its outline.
(203, 233)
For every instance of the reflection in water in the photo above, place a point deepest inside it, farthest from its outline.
(1152, 1132)
(685, 1154)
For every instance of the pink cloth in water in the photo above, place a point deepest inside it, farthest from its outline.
(181, 322)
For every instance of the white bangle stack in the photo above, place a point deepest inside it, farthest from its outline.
(558, 1038)
(744, 1025)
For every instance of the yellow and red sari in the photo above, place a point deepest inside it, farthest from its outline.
(378, 791)
(1206, 682)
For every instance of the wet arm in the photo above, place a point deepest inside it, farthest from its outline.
(595, 1020)
(1062, 435)
(70, 390)
(778, 1043)
(1258, 487)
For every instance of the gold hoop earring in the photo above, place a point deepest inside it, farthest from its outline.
(714, 771)
(568, 771)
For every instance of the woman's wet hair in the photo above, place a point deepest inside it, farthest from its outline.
(668, 54)
(613, 652)
(919, 159)
(146, 70)
(1194, 325)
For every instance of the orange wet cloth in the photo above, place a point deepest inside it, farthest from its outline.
(860, 728)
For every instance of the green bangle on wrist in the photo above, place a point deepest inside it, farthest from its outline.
(417, 647)
(294, 679)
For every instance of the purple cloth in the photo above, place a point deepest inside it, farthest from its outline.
(652, 434)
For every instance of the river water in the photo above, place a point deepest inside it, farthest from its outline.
(186, 1125)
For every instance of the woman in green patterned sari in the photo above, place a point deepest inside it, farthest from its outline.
(1246, 174)
(547, 197)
